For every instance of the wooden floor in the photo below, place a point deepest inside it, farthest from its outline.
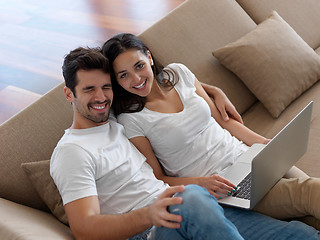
(35, 36)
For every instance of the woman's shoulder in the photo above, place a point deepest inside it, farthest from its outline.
(177, 67)
(135, 124)
(183, 72)
(130, 118)
(123, 117)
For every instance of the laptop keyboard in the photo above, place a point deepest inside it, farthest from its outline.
(244, 187)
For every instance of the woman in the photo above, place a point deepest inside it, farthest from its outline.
(170, 118)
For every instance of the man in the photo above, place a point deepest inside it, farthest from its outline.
(109, 191)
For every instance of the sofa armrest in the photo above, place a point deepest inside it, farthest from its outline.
(22, 222)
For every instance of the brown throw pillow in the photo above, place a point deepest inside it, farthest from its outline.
(274, 62)
(39, 175)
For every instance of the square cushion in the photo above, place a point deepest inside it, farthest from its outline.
(274, 62)
(39, 175)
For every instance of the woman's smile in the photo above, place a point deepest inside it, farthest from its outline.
(141, 86)
(133, 72)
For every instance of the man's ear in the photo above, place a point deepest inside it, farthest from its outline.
(68, 94)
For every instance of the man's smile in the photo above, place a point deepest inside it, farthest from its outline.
(99, 106)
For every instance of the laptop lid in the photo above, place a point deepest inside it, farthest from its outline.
(269, 163)
(281, 153)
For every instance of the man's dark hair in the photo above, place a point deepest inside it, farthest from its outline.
(82, 59)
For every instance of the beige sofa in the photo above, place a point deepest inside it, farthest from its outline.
(188, 35)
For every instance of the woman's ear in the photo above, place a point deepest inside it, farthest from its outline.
(150, 58)
(68, 94)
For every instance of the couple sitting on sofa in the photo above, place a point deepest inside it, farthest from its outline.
(107, 188)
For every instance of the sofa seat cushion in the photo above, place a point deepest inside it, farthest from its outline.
(274, 63)
(25, 223)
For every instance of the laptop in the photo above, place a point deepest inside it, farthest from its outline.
(263, 165)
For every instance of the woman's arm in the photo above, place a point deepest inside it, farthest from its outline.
(237, 129)
(222, 103)
(215, 184)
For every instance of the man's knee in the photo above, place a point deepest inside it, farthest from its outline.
(195, 198)
(195, 194)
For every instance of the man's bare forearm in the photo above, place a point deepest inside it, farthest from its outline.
(121, 226)
(86, 222)
(210, 90)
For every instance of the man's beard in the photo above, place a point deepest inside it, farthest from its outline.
(100, 118)
(97, 119)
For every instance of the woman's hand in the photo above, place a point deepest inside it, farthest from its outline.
(217, 186)
(266, 141)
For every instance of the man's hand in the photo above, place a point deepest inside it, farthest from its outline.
(160, 217)
(222, 102)
(226, 108)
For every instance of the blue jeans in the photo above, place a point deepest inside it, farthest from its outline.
(204, 218)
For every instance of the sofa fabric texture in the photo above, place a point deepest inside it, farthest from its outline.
(31, 136)
(39, 175)
(303, 16)
(187, 35)
(274, 62)
(21, 222)
(180, 43)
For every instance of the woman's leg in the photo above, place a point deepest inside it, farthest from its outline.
(292, 198)
(295, 172)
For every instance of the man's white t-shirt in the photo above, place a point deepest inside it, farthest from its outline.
(101, 161)
(188, 143)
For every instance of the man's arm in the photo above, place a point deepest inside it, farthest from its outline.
(86, 222)
(222, 102)
(236, 128)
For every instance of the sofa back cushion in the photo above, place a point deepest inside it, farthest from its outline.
(192, 31)
(302, 16)
(274, 62)
(31, 136)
